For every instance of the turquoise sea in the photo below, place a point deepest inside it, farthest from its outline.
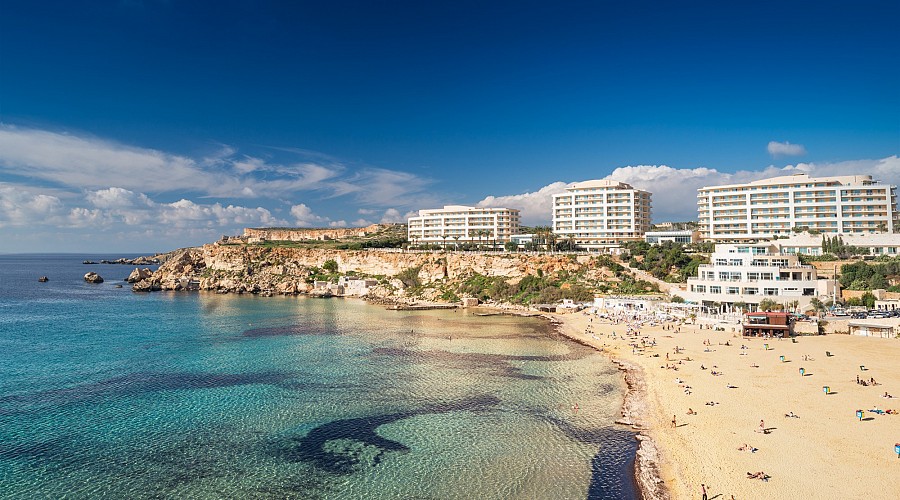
(105, 393)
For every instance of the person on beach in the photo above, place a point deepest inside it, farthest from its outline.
(703, 489)
(674, 422)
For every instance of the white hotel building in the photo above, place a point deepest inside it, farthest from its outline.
(760, 210)
(601, 213)
(461, 224)
(749, 273)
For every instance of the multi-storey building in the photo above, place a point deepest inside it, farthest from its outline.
(773, 207)
(749, 273)
(461, 224)
(601, 213)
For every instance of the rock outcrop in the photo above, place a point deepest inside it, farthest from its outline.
(256, 269)
(139, 261)
(139, 275)
(93, 278)
(256, 235)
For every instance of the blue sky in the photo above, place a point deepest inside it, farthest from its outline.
(146, 125)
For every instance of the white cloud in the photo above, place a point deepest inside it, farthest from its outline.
(392, 215)
(886, 170)
(83, 162)
(378, 186)
(535, 206)
(777, 149)
(115, 209)
(116, 197)
(304, 216)
(20, 207)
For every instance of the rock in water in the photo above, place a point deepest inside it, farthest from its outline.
(145, 286)
(93, 278)
(139, 275)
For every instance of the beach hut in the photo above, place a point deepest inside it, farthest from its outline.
(871, 330)
(768, 324)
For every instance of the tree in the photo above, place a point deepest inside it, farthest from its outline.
(816, 304)
(868, 300)
(541, 234)
(330, 265)
(768, 305)
(511, 246)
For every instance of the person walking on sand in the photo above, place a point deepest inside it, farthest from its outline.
(674, 422)
(703, 489)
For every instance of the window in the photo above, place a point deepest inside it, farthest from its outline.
(751, 291)
(700, 288)
(735, 262)
(732, 290)
(770, 291)
(715, 289)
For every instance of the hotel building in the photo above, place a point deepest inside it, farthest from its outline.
(601, 213)
(767, 208)
(461, 224)
(749, 273)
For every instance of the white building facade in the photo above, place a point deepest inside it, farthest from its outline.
(749, 273)
(873, 244)
(462, 224)
(760, 210)
(684, 237)
(601, 213)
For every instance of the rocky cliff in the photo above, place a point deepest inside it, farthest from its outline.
(258, 234)
(255, 269)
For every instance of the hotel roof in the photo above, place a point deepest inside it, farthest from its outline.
(799, 179)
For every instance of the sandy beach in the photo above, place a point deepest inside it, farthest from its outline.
(738, 410)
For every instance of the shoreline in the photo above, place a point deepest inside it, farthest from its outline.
(647, 475)
(726, 385)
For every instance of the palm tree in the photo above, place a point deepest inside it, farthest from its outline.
(551, 241)
(444, 237)
(541, 233)
(456, 245)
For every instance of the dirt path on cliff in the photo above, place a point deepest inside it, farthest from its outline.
(644, 275)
